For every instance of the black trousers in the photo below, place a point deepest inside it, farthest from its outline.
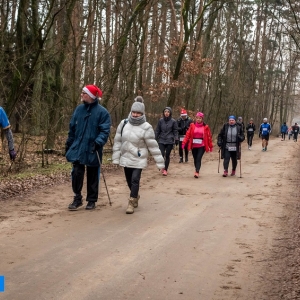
(283, 135)
(227, 156)
(165, 150)
(295, 136)
(92, 185)
(186, 151)
(198, 154)
(250, 138)
(133, 177)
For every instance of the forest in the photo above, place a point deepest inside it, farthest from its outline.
(220, 57)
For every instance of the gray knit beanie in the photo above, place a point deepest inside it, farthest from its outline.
(138, 105)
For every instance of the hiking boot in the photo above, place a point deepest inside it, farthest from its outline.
(181, 160)
(75, 204)
(232, 173)
(225, 174)
(136, 201)
(90, 205)
(165, 173)
(186, 158)
(196, 175)
(130, 207)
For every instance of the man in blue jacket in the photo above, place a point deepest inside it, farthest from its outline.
(5, 125)
(283, 130)
(88, 133)
(264, 132)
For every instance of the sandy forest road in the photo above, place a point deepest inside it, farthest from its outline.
(206, 238)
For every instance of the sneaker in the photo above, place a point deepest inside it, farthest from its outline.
(165, 173)
(90, 205)
(75, 204)
(196, 175)
(263, 149)
(181, 160)
(232, 173)
(225, 174)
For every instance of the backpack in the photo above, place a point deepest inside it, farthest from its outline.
(125, 122)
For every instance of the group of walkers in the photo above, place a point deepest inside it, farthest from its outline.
(89, 130)
(290, 131)
(135, 138)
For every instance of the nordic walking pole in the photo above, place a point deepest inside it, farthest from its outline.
(103, 177)
(240, 161)
(219, 160)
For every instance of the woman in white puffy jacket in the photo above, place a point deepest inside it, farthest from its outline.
(133, 140)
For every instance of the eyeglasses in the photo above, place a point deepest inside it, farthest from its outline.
(83, 93)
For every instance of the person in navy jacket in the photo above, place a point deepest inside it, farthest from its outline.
(88, 133)
(284, 129)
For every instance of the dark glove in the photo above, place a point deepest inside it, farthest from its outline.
(12, 154)
(96, 147)
(241, 138)
(176, 142)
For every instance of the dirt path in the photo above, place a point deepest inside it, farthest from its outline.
(206, 238)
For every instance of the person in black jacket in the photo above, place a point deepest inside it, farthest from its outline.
(166, 134)
(250, 128)
(241, 123)
(295, 129)
(229, 139)
(183, 124)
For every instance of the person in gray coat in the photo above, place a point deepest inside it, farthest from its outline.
(132, 142)
(167, 135)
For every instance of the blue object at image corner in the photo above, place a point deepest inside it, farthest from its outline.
(2, 283)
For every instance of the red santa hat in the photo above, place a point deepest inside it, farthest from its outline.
(93, 91)
(183, 113)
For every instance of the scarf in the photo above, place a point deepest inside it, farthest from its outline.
(136, 121)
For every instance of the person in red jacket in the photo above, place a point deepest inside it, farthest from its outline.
(199, 140)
